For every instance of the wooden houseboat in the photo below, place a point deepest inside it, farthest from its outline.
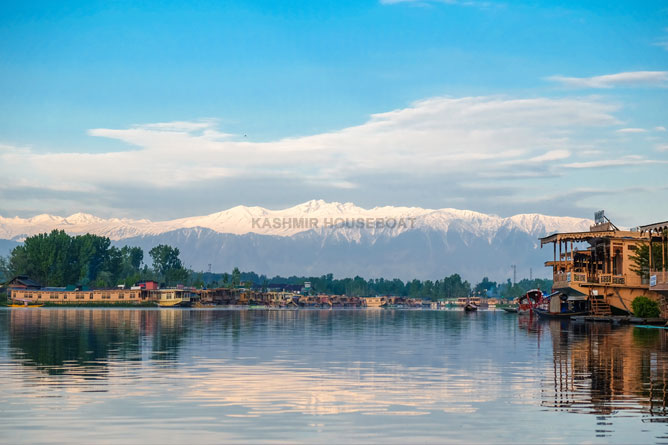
(374, 302)
(597, 266)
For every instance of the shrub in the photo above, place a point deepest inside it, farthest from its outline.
(645, 308)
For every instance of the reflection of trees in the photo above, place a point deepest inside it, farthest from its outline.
(600, 368)
(85, 341)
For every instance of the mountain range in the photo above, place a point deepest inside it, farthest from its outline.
(319, 237)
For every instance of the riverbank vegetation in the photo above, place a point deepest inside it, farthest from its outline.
(58, 259)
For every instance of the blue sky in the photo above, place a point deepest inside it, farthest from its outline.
(166, 109)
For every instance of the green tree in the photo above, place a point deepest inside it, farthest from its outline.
(640, 259)
(645, 308)
(48, 258)
(165, 258)
(92, 254)
(133, 257)
(167, 263)
(236, 277)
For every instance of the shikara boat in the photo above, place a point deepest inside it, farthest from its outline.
(24, 303)
(544, 313)
(529, 301)
(470, 307)
(558, 305)
(512, 310)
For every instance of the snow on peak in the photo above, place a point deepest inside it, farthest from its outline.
(83, 218)
(311, 215)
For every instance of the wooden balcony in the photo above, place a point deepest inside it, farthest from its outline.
(565, 279)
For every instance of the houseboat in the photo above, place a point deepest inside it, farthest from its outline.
(172, 297)
(597, 266)
(375, 302)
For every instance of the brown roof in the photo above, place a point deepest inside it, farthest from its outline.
(586, 236)
(656, 227)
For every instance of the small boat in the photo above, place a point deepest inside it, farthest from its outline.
(174, 303)
(470, 307)
(544, 313)
(529, 301)
(559, 305)
(511, 310)
(25, 305)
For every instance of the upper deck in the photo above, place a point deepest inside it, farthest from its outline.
(606, 259)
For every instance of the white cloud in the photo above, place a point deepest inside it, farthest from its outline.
(662, 147)
(626, 79)
(631, 130)
(441, 137)
(552, 155)
(663, 44)
(621, 162)
(659, 128)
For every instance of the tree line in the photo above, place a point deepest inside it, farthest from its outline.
(58, 259)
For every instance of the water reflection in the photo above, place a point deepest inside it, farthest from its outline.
(323, 375)
(601, 368)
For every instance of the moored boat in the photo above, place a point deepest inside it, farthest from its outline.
(512, 310)
(529, 301)
(25, 303)
(470, 307)
(558, 305)
(544, 313)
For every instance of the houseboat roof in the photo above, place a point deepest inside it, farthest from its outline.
(22, 280)
(586, 236)
(654, 228)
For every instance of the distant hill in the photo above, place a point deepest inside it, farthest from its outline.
(342, 239)
(6, 246)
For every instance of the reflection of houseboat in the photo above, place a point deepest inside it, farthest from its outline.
(600, 272)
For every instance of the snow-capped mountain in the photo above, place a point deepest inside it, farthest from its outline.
(315, 215)
(318, 237)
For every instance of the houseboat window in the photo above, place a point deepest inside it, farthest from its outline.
(91, 296)
(121, 296)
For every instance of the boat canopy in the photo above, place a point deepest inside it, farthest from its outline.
(551, 295)
(577, 298)
(569, 291)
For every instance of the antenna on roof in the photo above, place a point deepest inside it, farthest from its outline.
(600, 218)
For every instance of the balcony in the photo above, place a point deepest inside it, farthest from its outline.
(565, 279)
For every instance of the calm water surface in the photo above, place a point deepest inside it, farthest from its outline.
(206, 376)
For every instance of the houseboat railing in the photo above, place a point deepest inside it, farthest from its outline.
(563, 278)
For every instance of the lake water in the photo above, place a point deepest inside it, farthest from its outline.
(208, 376)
